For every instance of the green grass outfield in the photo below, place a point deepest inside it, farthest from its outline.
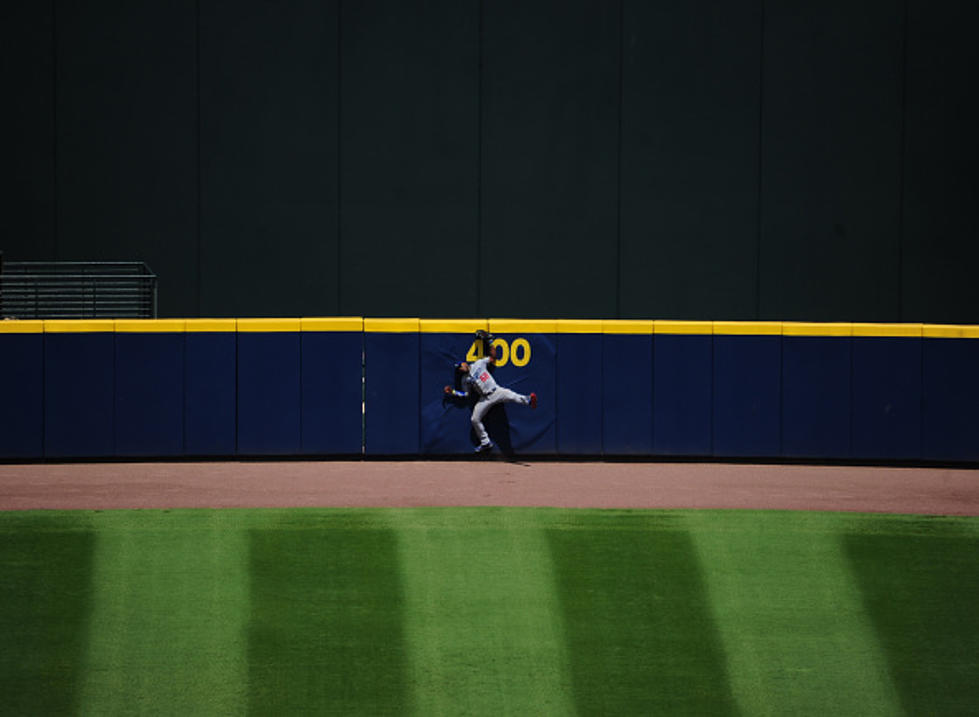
(488, 611)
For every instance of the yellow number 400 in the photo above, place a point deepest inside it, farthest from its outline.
(518, 352)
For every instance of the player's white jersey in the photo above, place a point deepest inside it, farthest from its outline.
(480, 377)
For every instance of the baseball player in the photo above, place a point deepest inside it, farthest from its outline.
(476, 378)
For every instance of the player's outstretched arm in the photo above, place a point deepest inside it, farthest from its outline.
(459, 390)
(488, 350)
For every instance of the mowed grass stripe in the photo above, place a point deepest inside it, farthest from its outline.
(45, 597)
(487, 611)
(640, 632)
(325, 630)
(795, 632)
(483, 624)
(168, 614)
(919, 582)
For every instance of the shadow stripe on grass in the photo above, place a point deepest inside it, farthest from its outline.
(919, 578)
(325, 633)
(45, 601)
(641, 637)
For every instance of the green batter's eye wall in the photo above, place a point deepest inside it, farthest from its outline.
(352, 386)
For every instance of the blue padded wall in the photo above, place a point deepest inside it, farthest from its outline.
(682, 394)
(332, 416)
(579, 394)
(445, 426)
(79, 383)
(627, 394)
(210, 393)
(392, 393)
(816, 396)
(747, 377)
(269, 393)
(22, 402)
(531, 431)
(102, 393)
(149, 394)
(886, 398)
(950, 399)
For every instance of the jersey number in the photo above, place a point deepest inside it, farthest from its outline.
(518, 352)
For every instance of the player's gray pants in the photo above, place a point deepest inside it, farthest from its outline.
(500, 395)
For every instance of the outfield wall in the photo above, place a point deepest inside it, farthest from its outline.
(352, 386)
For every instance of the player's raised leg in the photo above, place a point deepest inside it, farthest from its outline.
(514, 397)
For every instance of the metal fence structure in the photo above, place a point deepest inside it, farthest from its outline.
(77, 290)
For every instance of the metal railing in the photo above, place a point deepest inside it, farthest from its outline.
(77, 290)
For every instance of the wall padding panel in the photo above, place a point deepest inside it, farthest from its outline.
(391, 385)
(149, 394)
(22, 403)
(627, 393)
(210, 393)
(816, 396)
(445, 420)
(269, 392)
(527, 364)
(747, 385)
(79, 391)
(332, 392)
(950, 399)
(579, 385)
(682, 394)
(886, 397)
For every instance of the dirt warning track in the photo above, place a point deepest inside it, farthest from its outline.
(936, 491)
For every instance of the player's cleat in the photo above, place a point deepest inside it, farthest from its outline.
(484, 447)
(533, 400)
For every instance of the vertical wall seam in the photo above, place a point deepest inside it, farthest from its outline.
(237, 388)
(557, 393)
(479, 158)
(761, 157)
(601, 449)
(183, 414)
(115, 393)
(850, 445)
(302, 436)
(921, 400)
(652, 394)
(712, 391)
(199, 168)
(339, 158)
(54, 123)
(363, 394)
(781, 395)
(420, 450)
(618, 188)
(44, 395)
(902, 151)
